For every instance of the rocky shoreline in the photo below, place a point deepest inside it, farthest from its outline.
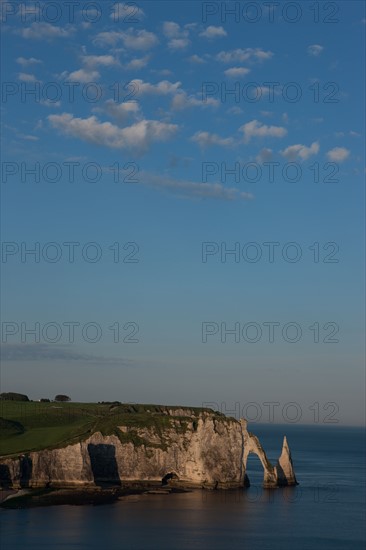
(34, 498)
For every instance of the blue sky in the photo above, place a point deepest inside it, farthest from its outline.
(150, 136)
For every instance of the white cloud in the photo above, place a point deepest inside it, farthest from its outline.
(315, 50)
(121, 111)
(206, 139)
(213, 32)
(338, 154)
(139, 39)
(193, 189)
(42, 30)
(178, 43)
(137, 137)
(196, 59)
(92, 61)
(173, 30)
(83, 75)
(298, 151)
(257, 129)
(48, 103)
(26, 62)
(235, 110)
(266, 113)
(130, 13)
(26, 77)
(265, 155)
(236, 72)
(107, 38)
(184, 101)
(138, 63)
(164, 87)
(132, 39)
(178, 37)
(28, 137)
(239, 55)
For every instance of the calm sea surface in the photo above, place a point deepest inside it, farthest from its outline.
(326, 511)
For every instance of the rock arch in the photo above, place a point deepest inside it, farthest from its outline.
(168, 478)
(273, 476)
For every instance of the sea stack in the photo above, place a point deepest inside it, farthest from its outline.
(284, 469)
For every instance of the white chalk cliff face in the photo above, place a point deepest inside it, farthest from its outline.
(205, 450)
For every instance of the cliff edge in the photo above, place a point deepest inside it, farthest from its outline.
(186, 447)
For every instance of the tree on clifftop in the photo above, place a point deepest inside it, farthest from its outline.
(12, 396)
(62, 398)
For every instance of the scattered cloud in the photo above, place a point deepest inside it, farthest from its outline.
(120, 111)
(264, 155)
(126, 12)
(213, 32)
(257, 129)
(132, 39)
(315, 50)
(93, 61)
(83, 75)
(196, 59)
(139, 39)
(184, 101)
(236, 72)
(26, 77)
(235, 110)
(138, 63)
(173, 30)
(49, 103)
(206, 139)
(47, 352)
(28, 137)
(164, 87)
(177, 36)
(138, 137)
(107, 38)
(26, 62)
(42, 30)
(298, 151)
(178, 43)
(338, 154)
(193, 189)
(240, 55)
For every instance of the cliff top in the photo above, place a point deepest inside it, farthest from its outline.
(32, 426)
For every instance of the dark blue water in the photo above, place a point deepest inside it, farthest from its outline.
(326, 511)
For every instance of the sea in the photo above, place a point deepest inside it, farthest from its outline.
(326, 511)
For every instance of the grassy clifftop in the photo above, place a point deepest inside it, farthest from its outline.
(33, 426)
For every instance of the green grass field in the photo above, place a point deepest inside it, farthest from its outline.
(32, 426)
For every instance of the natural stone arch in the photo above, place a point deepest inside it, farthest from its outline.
(273, 476)
(252, 445)
(169, 477)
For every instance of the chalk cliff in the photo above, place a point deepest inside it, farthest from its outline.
(194, 450)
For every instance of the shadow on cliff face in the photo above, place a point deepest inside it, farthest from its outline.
(26, 467)
(5, 477)
(282, 480)
(104, 464)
